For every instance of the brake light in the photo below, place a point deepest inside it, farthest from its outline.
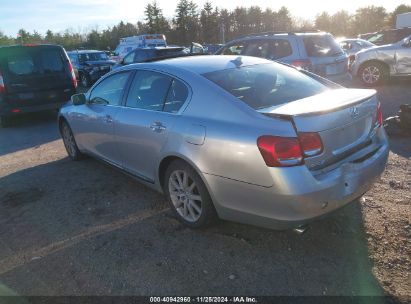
(379, 115)
(302, 63)
(280, 151)
(73, 75)
(310, 143)
(2, 86)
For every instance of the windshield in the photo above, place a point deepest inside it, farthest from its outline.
(93, 56)
(266, 85)
(322, 46)
(365, 43)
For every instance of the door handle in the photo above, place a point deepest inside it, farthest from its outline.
(109, 119)
(157, 127)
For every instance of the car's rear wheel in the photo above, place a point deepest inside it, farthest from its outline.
(84, 80)
(70, 142)
(373, 74)
(188, 195)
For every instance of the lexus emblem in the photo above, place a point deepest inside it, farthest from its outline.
(354, 112)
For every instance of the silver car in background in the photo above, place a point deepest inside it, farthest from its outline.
(375, 65)
(352, 46)
(317, 52)
(235, 137)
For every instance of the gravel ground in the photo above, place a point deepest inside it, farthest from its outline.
(82, 228)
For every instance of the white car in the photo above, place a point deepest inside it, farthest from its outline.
(373, 66)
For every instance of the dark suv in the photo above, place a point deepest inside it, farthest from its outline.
(34, 78)
(90, 65)
(317, 52)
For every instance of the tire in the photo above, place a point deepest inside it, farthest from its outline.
(197, 212)
(70, 142)
(85, 80)
(373, 74)
(4, 121)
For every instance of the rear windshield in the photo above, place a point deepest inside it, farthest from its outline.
(266, 85)
(322, 46)
(26, 61)
(92, 56)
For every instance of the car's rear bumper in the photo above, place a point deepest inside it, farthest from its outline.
(298, 196)
(9, 110)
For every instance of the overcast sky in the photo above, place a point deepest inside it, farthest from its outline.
(81, 15)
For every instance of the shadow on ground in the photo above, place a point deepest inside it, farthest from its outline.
(81, 228)
(27, 131)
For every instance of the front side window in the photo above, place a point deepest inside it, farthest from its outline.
(233, 49)
(258, 48)
(129, 58)
(110, 90)
(148, 91)
(266, 85)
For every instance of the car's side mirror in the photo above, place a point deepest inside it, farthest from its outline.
(78, 99)
(407, 43)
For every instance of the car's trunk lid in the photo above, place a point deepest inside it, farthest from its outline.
(344, 118)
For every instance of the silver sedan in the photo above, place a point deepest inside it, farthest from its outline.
(238, 138)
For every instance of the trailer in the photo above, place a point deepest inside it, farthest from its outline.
(403, 20)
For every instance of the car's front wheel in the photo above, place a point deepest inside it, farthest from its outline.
(373, 74)
(70, 142)
(188, 195)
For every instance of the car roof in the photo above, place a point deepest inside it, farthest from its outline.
(201, 64)
(271, 35)
(29, 45)
(84, 51)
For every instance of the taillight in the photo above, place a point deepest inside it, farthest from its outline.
(289, 151)
(73, 76)
(310, 143)
(280, 151)
(379, 115)
(302, 63)
(2, 86)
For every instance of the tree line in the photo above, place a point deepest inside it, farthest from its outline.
(211, 24)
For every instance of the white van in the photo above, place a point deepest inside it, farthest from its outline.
(128, 44)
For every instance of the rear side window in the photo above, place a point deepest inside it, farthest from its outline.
(266, 85)
(21, 63)
(281, 48)
(176, 97)
(110, 90)
(321, 46)
(148, 91)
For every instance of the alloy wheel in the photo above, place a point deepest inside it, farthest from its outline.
(68, 140)
(185, 195)
(371, 74)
